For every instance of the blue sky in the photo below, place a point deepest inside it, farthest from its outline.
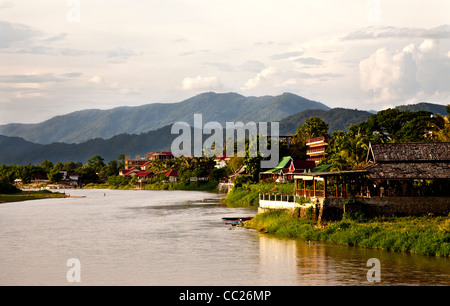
(61, 56)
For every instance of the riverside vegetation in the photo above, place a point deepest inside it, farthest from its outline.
(10, 193)
(420, 235)
(427, 235)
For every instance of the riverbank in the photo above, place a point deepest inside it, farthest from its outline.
(247, 195)
(418, 235)
(207, 186)
(29, 195)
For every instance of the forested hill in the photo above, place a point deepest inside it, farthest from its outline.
(84, 125)
(428, 107)
(15, 150)
(338, 119)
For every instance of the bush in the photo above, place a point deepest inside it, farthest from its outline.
(357, 216)
(6, 188)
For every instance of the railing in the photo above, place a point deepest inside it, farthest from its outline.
(317, 139)
(310, 193)
(276, 197)
(315, 150)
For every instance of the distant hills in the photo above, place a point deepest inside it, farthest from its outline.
(15, 150)
(81, 126)
(107, 133)
(428, 107)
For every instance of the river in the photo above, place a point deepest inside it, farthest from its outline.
(178, 238)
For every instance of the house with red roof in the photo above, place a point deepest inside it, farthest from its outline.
(297, 167)
(222, 160)
(160, 155)
(172, 175)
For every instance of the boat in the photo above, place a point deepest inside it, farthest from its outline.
(234, 221)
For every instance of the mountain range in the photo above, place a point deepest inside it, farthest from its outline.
(81, 126)
(138, 130)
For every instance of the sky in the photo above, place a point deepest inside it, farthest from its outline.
(61, 56)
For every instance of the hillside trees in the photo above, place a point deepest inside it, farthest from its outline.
(393, 125)
(313, 127)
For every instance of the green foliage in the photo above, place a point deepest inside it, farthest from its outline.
(394, 125)
(338, 119)
(346, 151)
(313, 127)
(357, 216)
(6, 188)
(54, 176)
(240, 180)
(424, 235)
(303, 200)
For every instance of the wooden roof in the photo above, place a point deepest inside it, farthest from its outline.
(424, 160)
(418, 170)
(409, 152)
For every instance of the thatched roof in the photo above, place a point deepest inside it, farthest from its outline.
(409, 161)
(424, 171)
(409, 152)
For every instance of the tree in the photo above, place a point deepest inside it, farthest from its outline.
(253, 163)
(235, 164)
(121, 159)
(112, 168)
(54, 176)
(70, 166)
(346, 151)
(96, 163)
(27, 173)
(393, 125)
(46, 166)
(313, 127)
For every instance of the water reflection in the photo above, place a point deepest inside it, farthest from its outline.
(295, 261)
(178, 238)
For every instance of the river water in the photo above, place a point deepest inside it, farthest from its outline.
(177, 238)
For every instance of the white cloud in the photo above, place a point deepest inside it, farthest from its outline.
(415, 71)
(288, 83)
(96, 79)
(6, 4)
(201, 83)
(259, 78)
(384, 32)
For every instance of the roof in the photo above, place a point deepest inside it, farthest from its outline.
(418, 170)
(160, 153)
(222, 156)
(414, 160)
(146, 164)
(283, 164)
(241, 171)
(409, 152)
(321, 168)
(274, 170)
(172, 173)
(143, 173)
(329, 173)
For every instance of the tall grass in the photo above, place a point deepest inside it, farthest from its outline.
(426, 236)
